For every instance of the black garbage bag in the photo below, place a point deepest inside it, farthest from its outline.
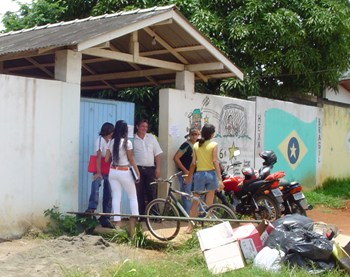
(293, 221)
(310, 244)
(303, 248)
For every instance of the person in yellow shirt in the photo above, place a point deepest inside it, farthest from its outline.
(207, 176)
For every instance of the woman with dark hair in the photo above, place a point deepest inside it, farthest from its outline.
(100, 149)
(207, 176)
(121, 151)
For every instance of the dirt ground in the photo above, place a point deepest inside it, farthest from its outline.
(337, 217)
(57, 257)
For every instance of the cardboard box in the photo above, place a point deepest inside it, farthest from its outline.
(221, 251)
(344, 242)
(252, 238)
(224, 258)
(264, 229)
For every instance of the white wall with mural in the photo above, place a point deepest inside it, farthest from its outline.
(40, 139)
(293, 132)
(234, 120)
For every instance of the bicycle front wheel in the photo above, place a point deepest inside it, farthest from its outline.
(220, 211)
(162, 228)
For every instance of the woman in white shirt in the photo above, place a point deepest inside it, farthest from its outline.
(121, 151)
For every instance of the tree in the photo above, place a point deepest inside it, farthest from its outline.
(284, 47)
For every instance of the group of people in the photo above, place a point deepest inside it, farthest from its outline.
(143, 155)
(197, 158)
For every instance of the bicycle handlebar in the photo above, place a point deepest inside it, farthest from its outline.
(233, 164)
(159, 180)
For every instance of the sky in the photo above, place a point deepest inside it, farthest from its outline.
(9, 5)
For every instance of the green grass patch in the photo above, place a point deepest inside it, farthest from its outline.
(333, 194)
(190, 265)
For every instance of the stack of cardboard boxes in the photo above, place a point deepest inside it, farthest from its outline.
(228, 249)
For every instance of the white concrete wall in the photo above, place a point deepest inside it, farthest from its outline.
(39, 130)
(234, 120)
(343, 96)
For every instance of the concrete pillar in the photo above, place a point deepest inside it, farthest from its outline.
(185, 81)
(68, 66)
(164, 138)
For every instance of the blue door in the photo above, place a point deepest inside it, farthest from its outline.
(93, 113)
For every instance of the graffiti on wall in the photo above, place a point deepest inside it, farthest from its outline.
(295, 142)
(231, 126)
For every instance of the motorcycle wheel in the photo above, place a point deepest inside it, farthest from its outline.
(297, 208)
(268, 208)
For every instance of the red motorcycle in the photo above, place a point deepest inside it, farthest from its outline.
(252, 196)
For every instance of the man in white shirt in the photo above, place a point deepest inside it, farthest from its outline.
(147, 153)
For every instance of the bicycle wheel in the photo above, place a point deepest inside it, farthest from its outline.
(268, 208)
(162, 229)
(220, 211)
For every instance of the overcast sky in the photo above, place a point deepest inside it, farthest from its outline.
(9, 5)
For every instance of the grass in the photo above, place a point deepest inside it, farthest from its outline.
(333, 194)
(186, 259)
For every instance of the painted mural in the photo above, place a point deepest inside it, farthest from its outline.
(294, 143)
(311, 143)
(231, 124)
(295, 138)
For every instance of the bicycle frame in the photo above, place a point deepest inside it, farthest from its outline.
(171, 196)
(163, 227)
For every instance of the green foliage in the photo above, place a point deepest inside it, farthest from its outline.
(284, 48)
(338, 187)
(146, 101)
(317, 198)
(119, 236)
(40, 12)
(60, 224)
(138, 240)
(333, 194)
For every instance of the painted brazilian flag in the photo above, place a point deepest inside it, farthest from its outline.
(294, 142)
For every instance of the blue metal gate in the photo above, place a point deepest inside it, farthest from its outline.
(93, 113)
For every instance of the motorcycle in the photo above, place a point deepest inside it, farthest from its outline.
(250, 195)
(294, 200)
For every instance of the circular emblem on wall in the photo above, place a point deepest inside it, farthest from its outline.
(293, 150)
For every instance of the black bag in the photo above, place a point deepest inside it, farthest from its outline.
(303, 247)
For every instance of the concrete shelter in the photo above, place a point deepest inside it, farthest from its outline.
(43, 71)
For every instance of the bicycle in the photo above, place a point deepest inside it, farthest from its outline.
(163, 227)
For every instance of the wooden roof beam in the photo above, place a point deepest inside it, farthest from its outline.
(125, 75)
(204, 66)
(134, 49)
(42, 68)
(172, 51)
(165, 51)
(133, 59)
(94, 72)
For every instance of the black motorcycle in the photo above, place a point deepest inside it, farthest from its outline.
(294, 200)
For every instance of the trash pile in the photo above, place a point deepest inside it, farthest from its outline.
(293, 239)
